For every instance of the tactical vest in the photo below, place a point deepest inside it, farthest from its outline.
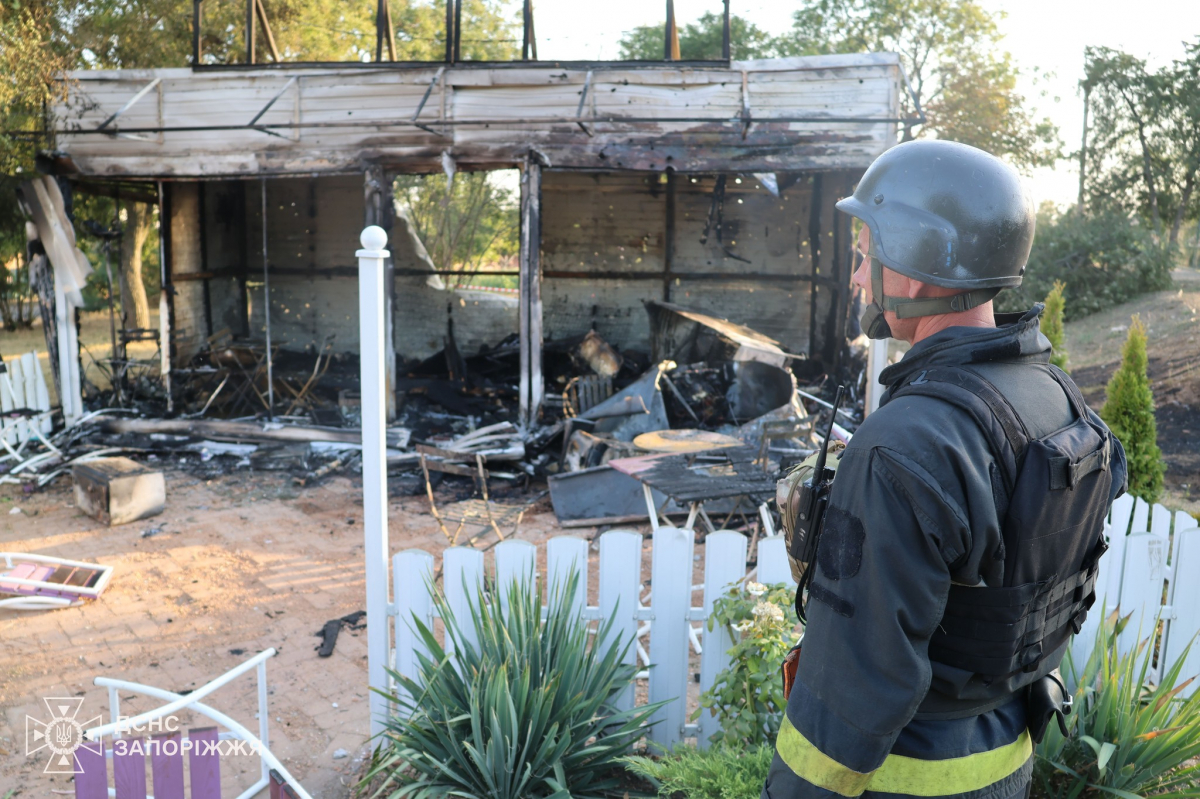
(1052, 499)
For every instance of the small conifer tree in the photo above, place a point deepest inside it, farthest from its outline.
(1052, 325)
(1129, 413)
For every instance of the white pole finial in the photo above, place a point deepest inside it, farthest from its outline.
(374, 240)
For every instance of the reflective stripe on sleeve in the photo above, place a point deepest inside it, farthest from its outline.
(902, 775)
(814, 766)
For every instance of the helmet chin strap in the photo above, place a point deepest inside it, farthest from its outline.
(875, 324)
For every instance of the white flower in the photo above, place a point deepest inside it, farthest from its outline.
(768, 610)
(755, 589)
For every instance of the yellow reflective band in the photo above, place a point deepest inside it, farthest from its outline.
(907, 775)
(813, 765)
(953, 775)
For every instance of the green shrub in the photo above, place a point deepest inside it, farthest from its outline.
(1129, 412)
(1102, 259)
(722, 772)
(1128, 738)
(525, 713)
(1052, 325)
(747, 697)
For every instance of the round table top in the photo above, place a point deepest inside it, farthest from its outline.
(684, 441)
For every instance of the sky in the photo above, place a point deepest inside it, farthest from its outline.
(1046, 39)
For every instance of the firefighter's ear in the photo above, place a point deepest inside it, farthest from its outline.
(914, 288)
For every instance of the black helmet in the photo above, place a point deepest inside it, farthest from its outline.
(943, 213)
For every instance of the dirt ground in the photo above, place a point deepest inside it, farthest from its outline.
(238, 564)
(1172, 319)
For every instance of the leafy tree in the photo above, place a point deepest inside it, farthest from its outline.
(1103, 258)
(30, 58)
(1052, 324)
(951, 53)
(1129, 412)
(472, 225)
(1144, 149)
(700, 40)
(157, 33)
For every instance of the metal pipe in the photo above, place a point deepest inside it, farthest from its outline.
(95, 733)
(267, 308)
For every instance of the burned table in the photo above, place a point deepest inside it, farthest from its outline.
(736, 473)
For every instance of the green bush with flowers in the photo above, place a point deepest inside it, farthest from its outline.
(747, 697)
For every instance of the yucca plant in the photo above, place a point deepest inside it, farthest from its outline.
(527, 712)
(1129, 738)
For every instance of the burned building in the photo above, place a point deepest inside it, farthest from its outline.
(708, 186)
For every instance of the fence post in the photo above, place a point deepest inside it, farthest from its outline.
(371, 327)
(620, 583)
(724, 564)
(671, 582)
(413, 570)
(462, 580)
(773, 566)
(1185, 599)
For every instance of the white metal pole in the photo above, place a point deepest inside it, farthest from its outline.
(876, 362)
(372, 328)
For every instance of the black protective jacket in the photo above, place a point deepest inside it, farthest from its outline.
(913, 510)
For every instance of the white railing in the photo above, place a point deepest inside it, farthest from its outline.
(674, 622)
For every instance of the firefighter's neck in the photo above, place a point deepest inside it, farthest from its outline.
(922, 327)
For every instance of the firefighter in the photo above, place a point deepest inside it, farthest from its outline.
(960, 548)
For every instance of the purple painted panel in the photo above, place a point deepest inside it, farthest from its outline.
(129, 767)
(91, 771)
(205, 764)
(166, 761)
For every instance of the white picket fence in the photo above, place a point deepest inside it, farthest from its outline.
(1151, 553)
(674, 622)
(1134, 574)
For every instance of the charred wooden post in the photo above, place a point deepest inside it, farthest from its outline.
(250, 4)
(204, 267)
(528, 40)
(268, 35)
(458, 30)
(378, 211)
(197, 20)
(725, 35)
(267, 306)
(166, 303)
(530, 308)
(671, 44)
(450, 31)
(669, 236)
(814, 249)
(379, 6)
(384, 32)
